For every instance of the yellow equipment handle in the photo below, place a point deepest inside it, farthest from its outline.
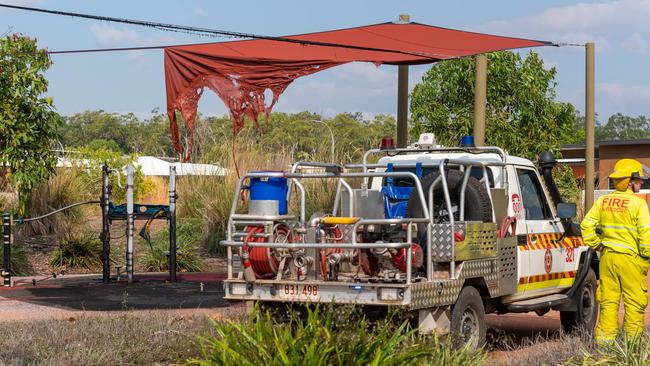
(333, 220)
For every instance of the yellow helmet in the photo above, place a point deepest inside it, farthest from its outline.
(627, 168)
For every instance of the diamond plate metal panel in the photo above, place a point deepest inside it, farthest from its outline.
(479, 241)
(507, 266)
(445, 292)
(441, 242)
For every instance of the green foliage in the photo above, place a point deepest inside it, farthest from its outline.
(620, 127)
(326, 337)
(99, 144)
(20, 265)
(188, 244)
(28, 121)
(83, 128)
(83, 251)
(567, 184)
(92, 160)
(291, 134)
(522, 115)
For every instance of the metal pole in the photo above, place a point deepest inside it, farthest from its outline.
(402, 105)
(6, 247)
(105, 236)
(172, 224)
(590, 143)
(130, 172)
(480, 100)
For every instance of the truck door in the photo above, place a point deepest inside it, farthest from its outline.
(546, 271)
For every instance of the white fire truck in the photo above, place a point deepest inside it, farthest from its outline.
(449, 233)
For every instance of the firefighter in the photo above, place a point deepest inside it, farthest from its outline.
(624, 220)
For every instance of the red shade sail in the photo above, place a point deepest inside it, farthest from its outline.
(240, 72)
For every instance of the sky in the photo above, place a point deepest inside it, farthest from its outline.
(133, 81)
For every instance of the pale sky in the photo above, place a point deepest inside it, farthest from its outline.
(134, 81)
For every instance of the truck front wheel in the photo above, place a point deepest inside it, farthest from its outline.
(584, 317)
(468, 319)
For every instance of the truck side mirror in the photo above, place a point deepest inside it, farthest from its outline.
(566, 210)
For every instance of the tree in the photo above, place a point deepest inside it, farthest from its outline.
(28, 122)
(522, 115)
(82, 128)
(620, 127)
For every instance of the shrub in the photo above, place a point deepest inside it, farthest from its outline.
(326, 338)
(83, 251)
(188, 242)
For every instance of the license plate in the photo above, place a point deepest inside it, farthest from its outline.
(298, 292)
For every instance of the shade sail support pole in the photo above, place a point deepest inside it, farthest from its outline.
(590, 164)
(480, 99)
(402, 105)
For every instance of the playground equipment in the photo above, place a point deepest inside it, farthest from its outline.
(129, 211)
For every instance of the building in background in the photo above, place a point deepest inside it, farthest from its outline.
(607, 154)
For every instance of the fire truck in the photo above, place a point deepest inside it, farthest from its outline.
(447, 233)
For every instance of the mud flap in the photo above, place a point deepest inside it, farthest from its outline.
(434, 320)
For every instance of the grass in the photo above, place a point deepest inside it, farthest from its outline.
(20, 265)
(79, 251)
(574, 350)
(126, 339)
(188, 242)
(626, 351)
(328, 337)
(67, 186)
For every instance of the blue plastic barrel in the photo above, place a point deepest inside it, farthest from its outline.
(270, 189)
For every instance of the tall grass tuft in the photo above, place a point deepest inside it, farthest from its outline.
(627, 351)
(188, 243)
(67, 186)
(325, 338)
(79, 251)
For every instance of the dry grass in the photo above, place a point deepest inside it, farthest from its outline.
(67, 186)
(554, 350)
(157, 190)
(120, 340)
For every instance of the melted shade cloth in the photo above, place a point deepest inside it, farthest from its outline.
(240, 72)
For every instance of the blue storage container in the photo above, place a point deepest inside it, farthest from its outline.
(270, 189)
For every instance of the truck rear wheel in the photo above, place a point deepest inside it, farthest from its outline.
(468, 319)
(587, 307)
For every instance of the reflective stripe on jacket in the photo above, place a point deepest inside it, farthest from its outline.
(624, 220)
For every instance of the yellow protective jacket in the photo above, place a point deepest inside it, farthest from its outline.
(624, 220)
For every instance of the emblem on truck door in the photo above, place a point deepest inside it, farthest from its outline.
(516, 205)
(548, 260)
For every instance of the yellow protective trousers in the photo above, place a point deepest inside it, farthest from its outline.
(621, 274)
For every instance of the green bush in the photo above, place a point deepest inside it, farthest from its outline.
(326, 338)
(188, 244)
(20, 265)
(83, 251)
